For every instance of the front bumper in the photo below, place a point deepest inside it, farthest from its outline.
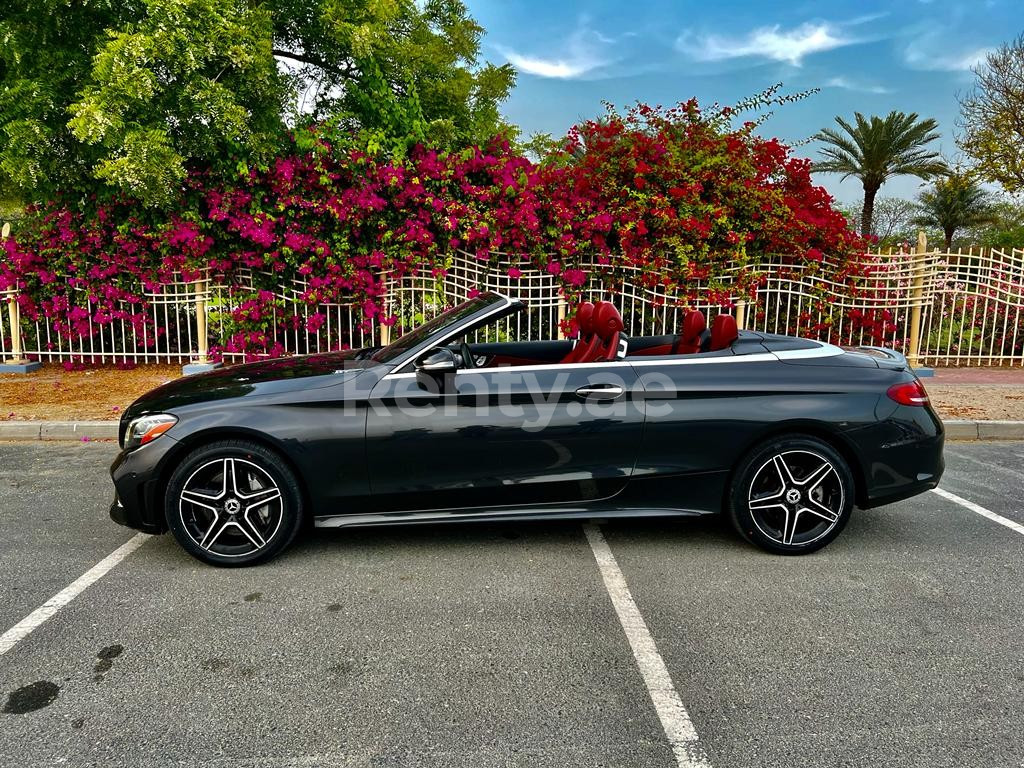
(138, 496)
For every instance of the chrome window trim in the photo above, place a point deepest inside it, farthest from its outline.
(517, 368)
(822, 350)
(757, 357)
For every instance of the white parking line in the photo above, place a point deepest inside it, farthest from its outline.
(682, 736)
(24, 628)
(980, 510)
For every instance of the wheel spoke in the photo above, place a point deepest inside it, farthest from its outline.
(784, 474)
(213, 533)
(231, 477)
(789, 526)
(768, 503)
(820, 510)
(250, 531)
(811, 481)
(261, 498)
(766, 496)
(200, 499)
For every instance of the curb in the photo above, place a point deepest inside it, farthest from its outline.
(84, 431)
(984, 430)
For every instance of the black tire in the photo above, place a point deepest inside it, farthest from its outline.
(229, 514)
(782, 509)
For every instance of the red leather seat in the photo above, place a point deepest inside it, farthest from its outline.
(723, 332)
(690, 333)
(609, 326)
(588, 340)
(687, 341)
(655, 350)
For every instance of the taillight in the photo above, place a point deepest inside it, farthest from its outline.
(909, 393)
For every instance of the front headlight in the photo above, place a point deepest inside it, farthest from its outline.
(146, 429)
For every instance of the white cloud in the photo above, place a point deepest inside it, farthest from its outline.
(931, 45)
(790, 45)
(565, 69)
(585, 50)
(920, 55)
(853, 85)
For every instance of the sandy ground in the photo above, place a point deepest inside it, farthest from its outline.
(977, 401)
(100, 393)
(54, 394)
(978, 393)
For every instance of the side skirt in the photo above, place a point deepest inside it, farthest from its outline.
(533, 513)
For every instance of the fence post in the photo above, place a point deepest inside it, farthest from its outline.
(389, 294)
(563, 310)
(741, 312)
(202, 362)
(203, 339)
(916, 294)
(12, 313)
(15, 363)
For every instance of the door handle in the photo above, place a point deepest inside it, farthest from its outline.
(600, 392)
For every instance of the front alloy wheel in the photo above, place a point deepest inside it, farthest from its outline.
(792, 496)
(233, 503)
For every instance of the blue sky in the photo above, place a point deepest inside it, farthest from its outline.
(871, 56)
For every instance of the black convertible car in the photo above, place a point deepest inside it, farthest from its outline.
(784, 435)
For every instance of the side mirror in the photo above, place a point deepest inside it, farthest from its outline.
(438, 360)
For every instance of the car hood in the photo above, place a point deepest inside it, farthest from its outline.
(267, 377)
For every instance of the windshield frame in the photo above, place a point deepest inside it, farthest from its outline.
(448, 324)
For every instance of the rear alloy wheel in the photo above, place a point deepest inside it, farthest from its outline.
(233, 503)
(792, 496)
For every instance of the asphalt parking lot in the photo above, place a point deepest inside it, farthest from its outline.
(499, 645)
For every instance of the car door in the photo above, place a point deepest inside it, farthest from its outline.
(530, 435)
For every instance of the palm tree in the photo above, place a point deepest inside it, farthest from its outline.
(954, 203)
(875, 149)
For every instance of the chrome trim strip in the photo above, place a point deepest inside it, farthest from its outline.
(822, 350)
(518, 368)
(758, 357)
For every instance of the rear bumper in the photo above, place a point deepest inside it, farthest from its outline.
(138, 501)
(907, 458)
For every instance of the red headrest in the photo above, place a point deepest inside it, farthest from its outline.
(723, 332)
(607, 319)
(585, 318)
(694, 325)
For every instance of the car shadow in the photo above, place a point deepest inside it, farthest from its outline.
(882, 531)
(469, 534)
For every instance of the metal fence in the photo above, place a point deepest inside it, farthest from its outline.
(964, 308)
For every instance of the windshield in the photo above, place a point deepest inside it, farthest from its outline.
(448, 319)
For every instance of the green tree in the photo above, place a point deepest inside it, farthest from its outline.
(892, 220)
(121, 95)
(46, 49)
(1004, 227)
(539, 146)
(191, 81)
(876, 149)
(340, 52)
(992, 117)
(125, 95)
(954, 203)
